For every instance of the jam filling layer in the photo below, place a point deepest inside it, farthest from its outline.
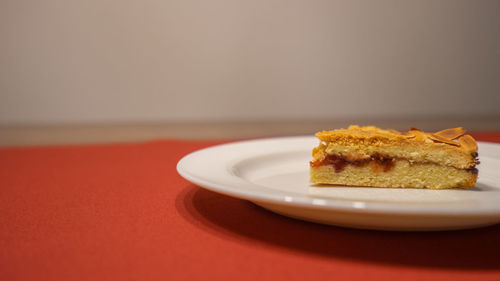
(378, 162)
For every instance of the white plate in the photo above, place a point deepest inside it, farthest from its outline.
(274, 173)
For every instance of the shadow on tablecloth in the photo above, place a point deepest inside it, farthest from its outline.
(247, 223)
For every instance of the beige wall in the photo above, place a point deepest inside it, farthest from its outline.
(160, 60)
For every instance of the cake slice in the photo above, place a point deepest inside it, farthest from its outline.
(369, 156)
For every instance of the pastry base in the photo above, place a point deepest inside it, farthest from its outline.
(402, 174)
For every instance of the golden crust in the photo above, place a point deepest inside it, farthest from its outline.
(356, 132)
(448, 147)
(374, 134)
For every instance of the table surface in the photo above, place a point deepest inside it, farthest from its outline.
(121, 212)
(58, 134)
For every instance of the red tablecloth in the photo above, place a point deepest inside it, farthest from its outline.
(121, 212)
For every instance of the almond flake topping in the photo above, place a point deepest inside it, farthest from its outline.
(438, 138)
(468, 143)
(451, 134)
(394, 131)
